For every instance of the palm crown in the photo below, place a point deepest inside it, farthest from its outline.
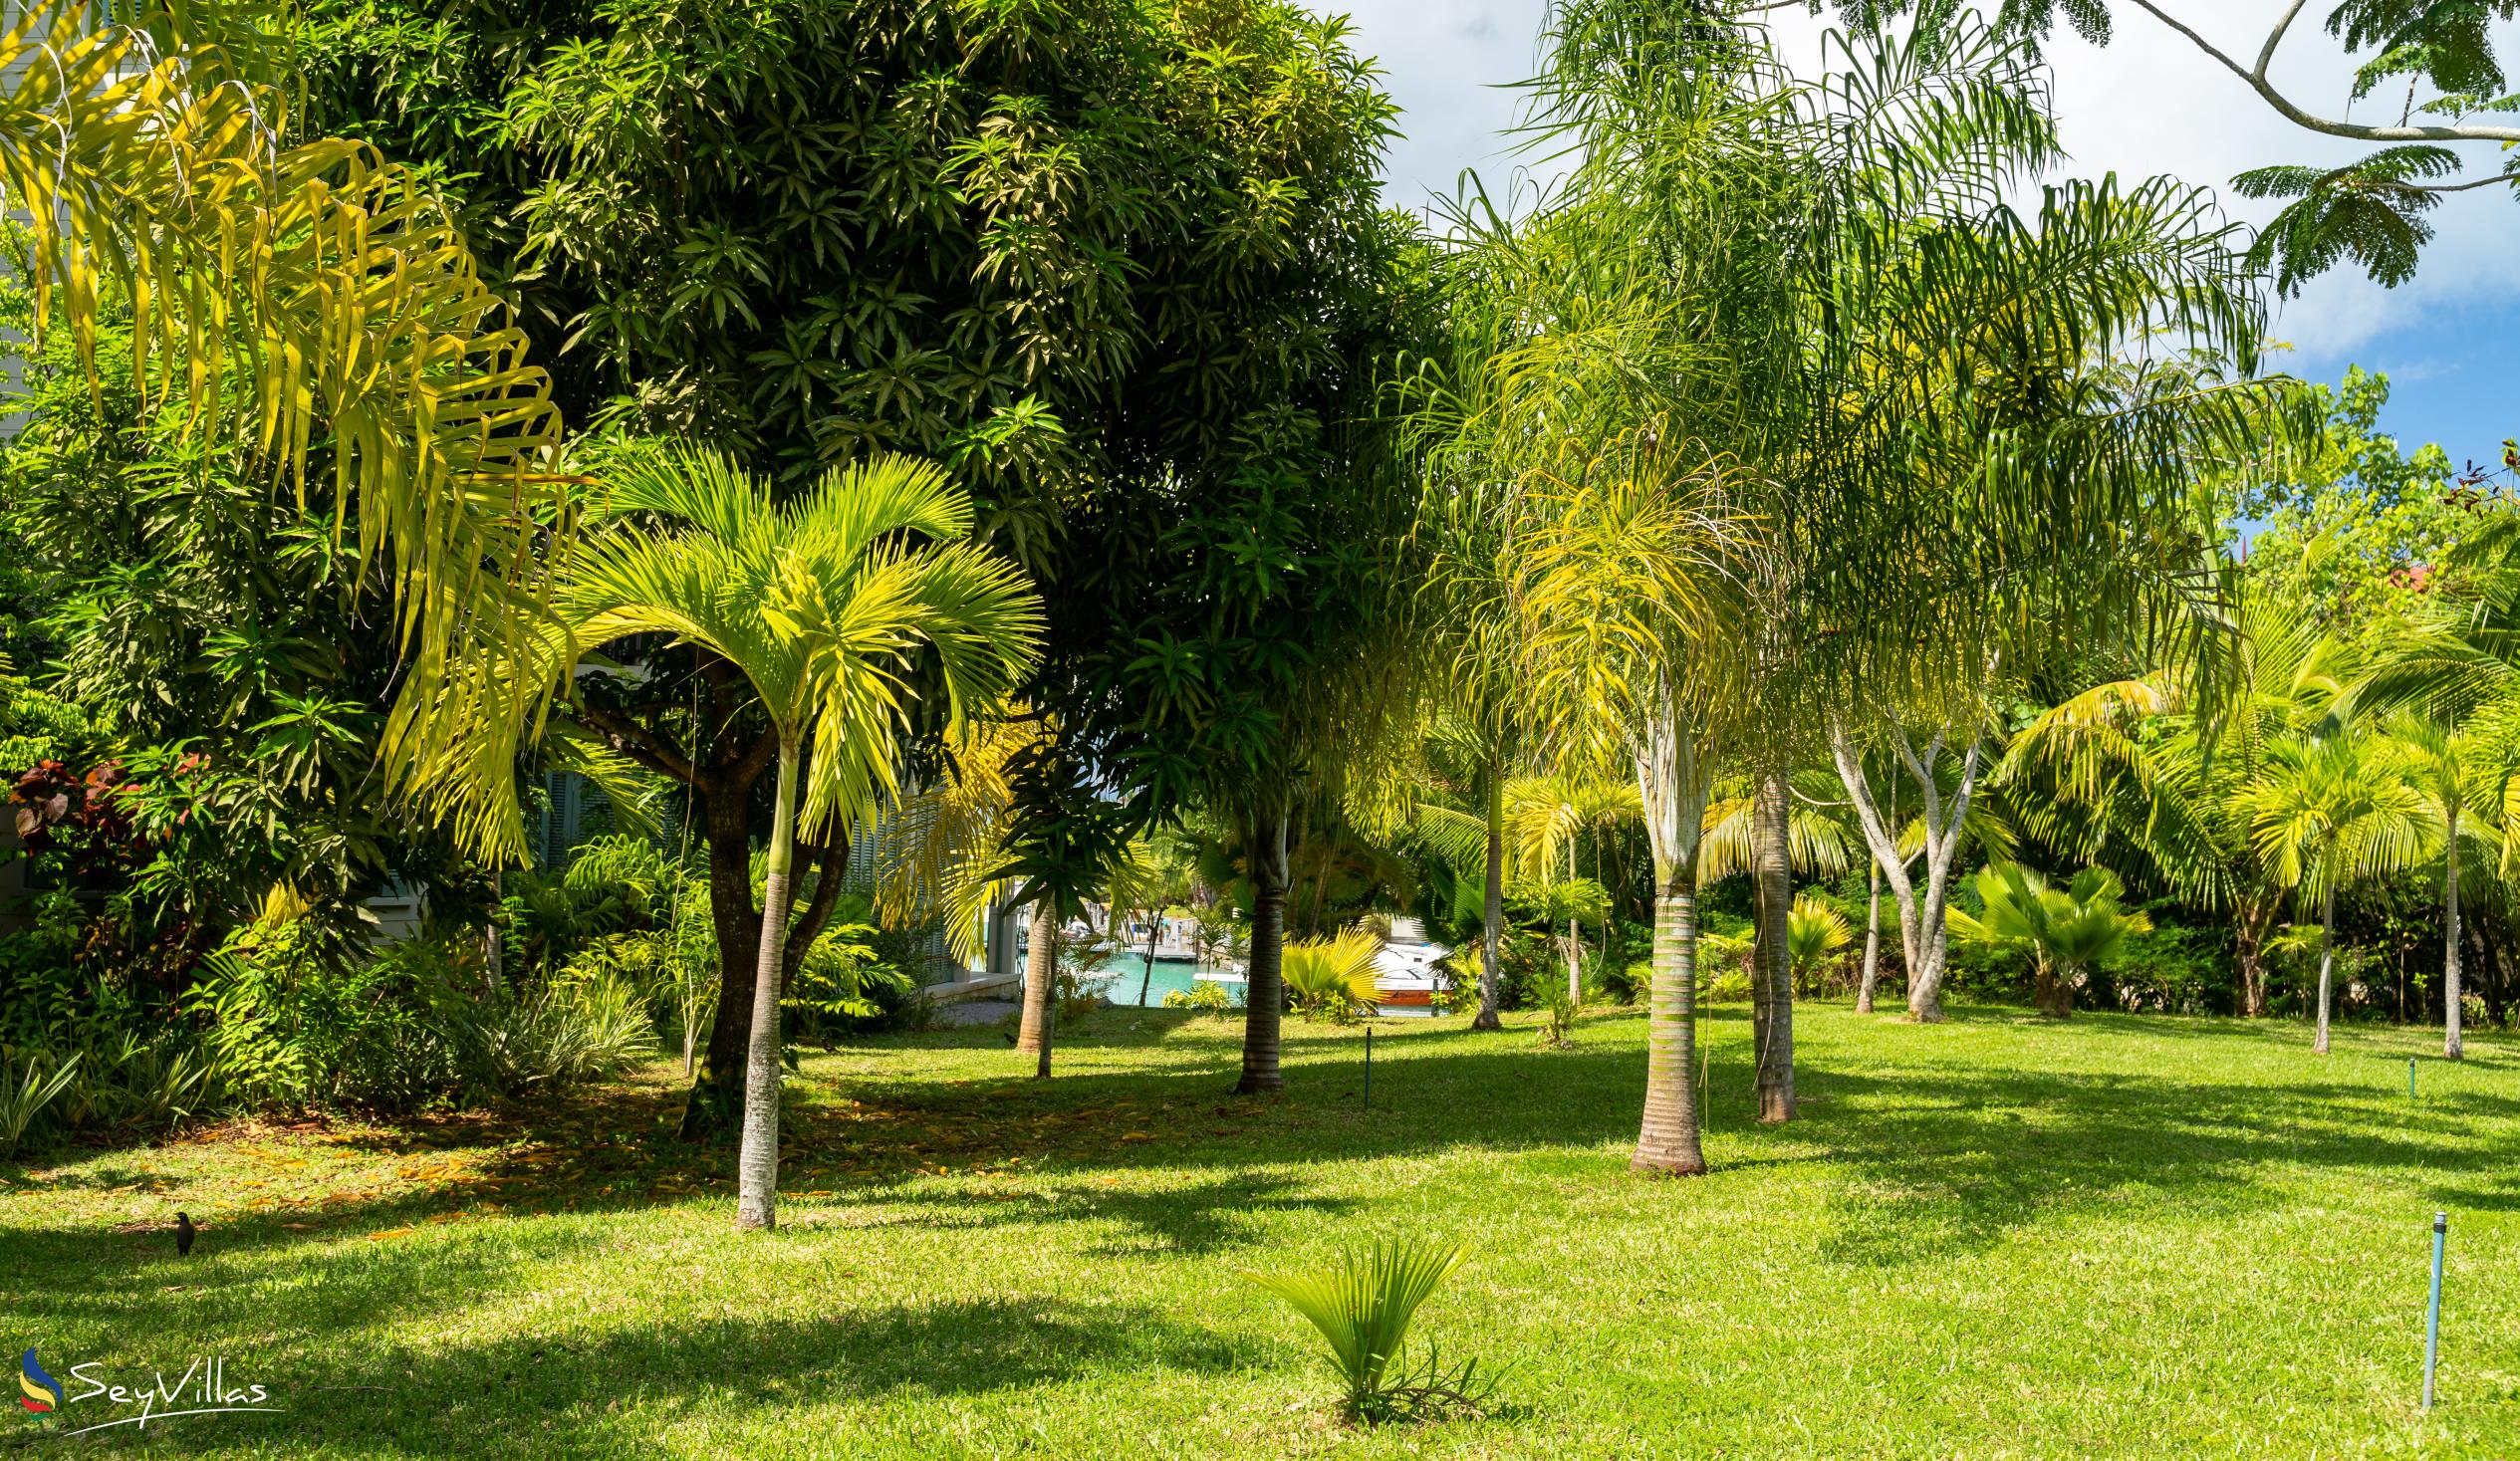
(821, 603)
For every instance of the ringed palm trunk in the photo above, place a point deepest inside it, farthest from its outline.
(757, 1158)
(1041, 979)
(1492, 913)
(1672, 787)
(1772, 983)
(1265, 989)
(1667, 1143)
(2450, 1047)
(2326, 962)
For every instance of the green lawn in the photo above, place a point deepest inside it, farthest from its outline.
(1993, 1238)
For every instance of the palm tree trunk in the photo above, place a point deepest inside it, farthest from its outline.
(1155, 925)
(1041, 983)
(2250, 946)
(2326, 962)
(1871, 944)
(1492, 915)
(724, 810)
(757, 1158)
(1667, 1142)
(2056, 991)
(1672, 789)
(1574, 943)
(1264, 988)
(493, 946)
(2450, 1047)
(1772, 982)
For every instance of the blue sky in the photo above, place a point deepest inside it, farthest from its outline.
(2147, 103)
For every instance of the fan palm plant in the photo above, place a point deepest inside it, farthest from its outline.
(1333, 978)
(2068, 930)
(1364, 1307)
(2159, 770)
(824, 605)
(2326, 812)
(1814, 931)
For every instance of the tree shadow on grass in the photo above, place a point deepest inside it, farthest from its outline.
(1196, 1219)
(1938, 1154)
(568, 1393)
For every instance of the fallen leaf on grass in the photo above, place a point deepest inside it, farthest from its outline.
(389, 1233)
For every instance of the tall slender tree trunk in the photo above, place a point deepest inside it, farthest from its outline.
(2326, 962)
(757, 1158)
(1672, 789)
(1265, 988)
(1492, 915)
(494, 943)
(1155, 926)
(738, 929)
(1772, 982)
(1041, 986)
(2450, 1046)
(1574, 943)
(1871, 944)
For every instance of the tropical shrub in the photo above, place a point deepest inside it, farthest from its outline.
(2067, 932)
(1814, 931)
(1333, 978)
(1558, 1031)
(299, 1020)
(1363, 1308)
(1206, 996)
(27, 1086)
(2175, 968)
(836, 981)
(513, 1044)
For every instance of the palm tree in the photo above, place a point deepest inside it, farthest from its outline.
(2158, 770)
(2328, 810)
(2068, 930)
(2464, 787)
(825, 605)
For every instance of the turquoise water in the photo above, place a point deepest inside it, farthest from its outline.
(1125, 971)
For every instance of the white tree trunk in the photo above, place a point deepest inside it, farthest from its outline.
(1924, 927)
(2326, 962)
(1871, 944)
(757, 1158)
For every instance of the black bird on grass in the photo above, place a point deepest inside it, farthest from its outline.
(184, 1234)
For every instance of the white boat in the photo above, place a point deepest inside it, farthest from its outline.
(1407, 970)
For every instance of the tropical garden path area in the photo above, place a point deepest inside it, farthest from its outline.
(2001, 1237)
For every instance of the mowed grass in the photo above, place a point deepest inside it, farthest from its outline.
(1999, 1237)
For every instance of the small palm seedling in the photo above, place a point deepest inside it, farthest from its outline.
(1362, 1307)
(1333, 978)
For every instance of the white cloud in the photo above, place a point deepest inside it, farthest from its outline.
(2148, 102)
